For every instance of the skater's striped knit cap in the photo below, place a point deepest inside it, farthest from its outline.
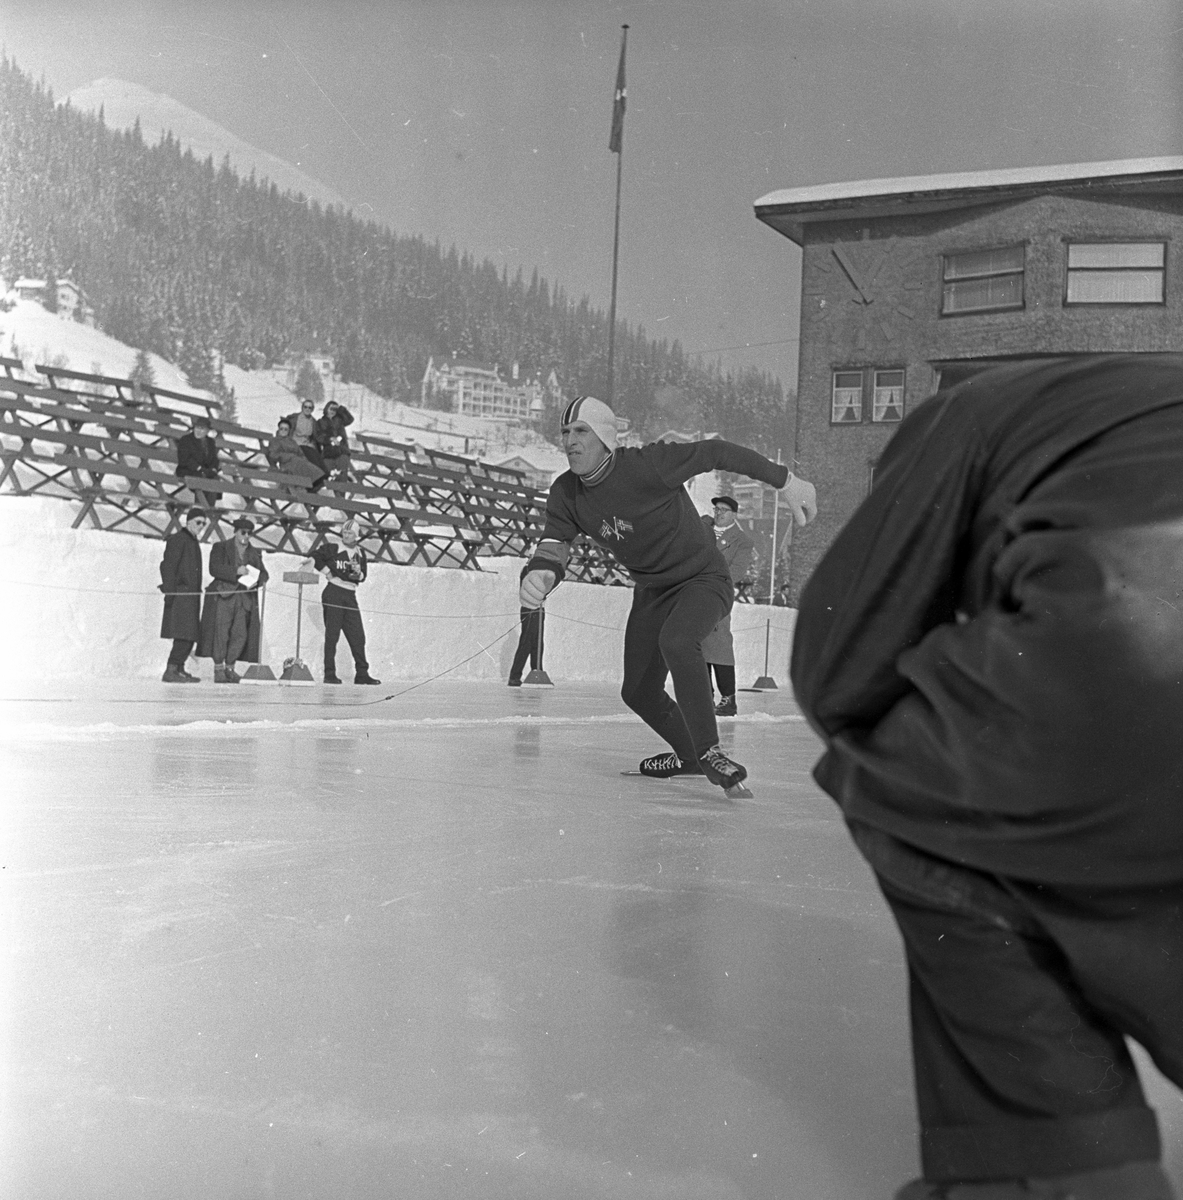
(594, 413)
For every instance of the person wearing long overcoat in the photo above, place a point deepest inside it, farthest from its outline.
(738, 550)
(230, 624)
(180, 581)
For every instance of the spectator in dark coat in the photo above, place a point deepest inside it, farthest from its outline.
(180, 581)
(332, 439)
(197, 457)
(230, 629)
(992, 652)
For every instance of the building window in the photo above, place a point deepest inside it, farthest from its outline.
(983, 281)
(1116, 273)
(887, 396)
(846, 407)
(888, 401)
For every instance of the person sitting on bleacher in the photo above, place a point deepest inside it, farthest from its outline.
(332, 439)
(197, 455)
(303, 425)
(285, 455)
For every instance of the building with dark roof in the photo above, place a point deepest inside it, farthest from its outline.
(908, 285)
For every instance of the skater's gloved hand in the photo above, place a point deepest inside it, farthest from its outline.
(802, 498)
(536, 586)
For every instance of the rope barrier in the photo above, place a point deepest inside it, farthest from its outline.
(376, 612)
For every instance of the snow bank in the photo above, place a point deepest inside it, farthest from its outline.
(81, 602)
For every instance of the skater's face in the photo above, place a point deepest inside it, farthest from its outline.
(583, 449)
(349, 535)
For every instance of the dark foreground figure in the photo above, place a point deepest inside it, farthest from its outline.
(992, 650)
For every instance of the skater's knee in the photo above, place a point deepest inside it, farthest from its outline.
(678, 646)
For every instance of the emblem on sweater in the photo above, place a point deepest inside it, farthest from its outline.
(617, 529)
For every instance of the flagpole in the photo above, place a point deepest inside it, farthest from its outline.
(612, 306)
(616, 143)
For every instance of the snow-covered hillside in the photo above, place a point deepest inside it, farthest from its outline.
(35, 336)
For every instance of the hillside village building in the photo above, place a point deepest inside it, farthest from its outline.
(475, 390)
(71, 300)
(909, 285)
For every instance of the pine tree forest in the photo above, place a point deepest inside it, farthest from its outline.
(186, 259)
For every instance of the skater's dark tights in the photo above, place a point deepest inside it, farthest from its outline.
(663, 639)
(725, 678)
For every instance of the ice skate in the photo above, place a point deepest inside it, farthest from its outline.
(728, 775)
(664, 766)
(726, 707)
(365, 677)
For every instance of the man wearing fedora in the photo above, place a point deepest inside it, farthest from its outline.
(230, 618)
(718, 649)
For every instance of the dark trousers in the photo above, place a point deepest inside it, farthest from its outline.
(663, 638)
(180, 652)
(529, 642)
(343, 616)
(1020, 996)
(725, 678)
(231, 626)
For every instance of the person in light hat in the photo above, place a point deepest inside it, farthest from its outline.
(631, 501)
(343, 567)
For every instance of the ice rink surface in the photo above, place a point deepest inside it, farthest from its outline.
(279, 942)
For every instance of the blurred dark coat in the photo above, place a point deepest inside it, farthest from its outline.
(738, 550)
(223, 566)
(992, 648)
(330, 432)
(197, 456)
(180, 572)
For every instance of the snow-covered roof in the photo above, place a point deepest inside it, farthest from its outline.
(790, 209)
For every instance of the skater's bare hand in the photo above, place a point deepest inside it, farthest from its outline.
(802, 498)
(536, 586)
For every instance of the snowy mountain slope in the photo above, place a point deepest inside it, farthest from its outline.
(35, 336)
(123, 102)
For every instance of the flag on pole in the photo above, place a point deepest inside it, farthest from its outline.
(616, 137)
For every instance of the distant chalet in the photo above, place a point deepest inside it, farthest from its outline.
(909, 285)
(476, 390)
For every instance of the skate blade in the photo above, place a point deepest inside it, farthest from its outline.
(738, 791)
(663, 778)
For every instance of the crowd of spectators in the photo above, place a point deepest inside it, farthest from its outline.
(316, 449)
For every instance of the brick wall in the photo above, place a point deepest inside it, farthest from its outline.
(892, 319)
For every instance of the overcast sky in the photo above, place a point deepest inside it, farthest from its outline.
(486, 124)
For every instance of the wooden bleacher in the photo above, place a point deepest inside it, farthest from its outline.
(109, 447)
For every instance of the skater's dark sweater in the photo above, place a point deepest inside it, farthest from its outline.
(641, 512)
